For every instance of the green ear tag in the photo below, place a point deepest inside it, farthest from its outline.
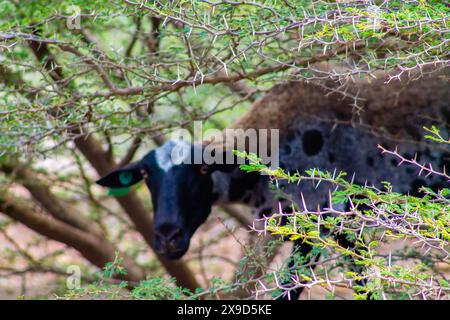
(125, 177)
(117, 192)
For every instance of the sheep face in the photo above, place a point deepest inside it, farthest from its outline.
(182, 193)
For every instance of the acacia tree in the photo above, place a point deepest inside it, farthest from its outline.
(97, 82)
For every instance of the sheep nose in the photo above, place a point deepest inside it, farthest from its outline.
(169, 236)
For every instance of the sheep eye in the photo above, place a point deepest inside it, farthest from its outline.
(204, 169)
(144, 174)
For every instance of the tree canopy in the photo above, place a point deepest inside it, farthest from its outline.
(97, 65)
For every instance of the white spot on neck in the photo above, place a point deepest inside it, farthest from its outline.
(172, 153)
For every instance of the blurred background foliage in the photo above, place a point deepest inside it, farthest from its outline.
(86, 85)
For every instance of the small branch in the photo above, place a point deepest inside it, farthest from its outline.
(98, 251)
(135, 144)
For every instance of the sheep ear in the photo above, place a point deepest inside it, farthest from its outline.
(124, 177)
